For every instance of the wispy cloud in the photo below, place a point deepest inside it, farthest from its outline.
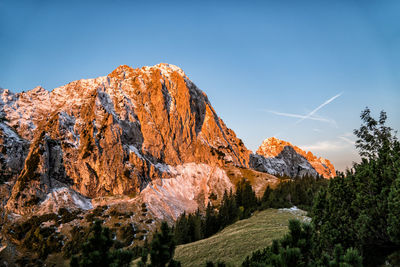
(309, 115)
(341, 142)
(324, 146)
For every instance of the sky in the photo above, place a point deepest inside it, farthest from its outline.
(301, 71)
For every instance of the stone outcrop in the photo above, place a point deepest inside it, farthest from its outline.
(282, 158)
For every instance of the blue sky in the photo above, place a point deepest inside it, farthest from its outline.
(258, 61)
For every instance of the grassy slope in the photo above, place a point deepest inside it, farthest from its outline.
(235, 242)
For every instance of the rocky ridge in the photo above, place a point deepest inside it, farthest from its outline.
(280, 157)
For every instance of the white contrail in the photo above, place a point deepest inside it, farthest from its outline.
(299, 116)
(318, 108)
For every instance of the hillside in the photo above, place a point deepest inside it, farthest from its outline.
(235, 242)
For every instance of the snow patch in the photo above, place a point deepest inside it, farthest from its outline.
(300, 214)
(163, 167)
(64, 196)
(8, 132)
(133, 149)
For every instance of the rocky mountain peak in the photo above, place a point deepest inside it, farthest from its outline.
(114, 135)
(272, 147)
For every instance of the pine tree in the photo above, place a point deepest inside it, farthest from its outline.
(211, 224)
(265, 198)
(394, 211)
(194, 222)
(245, 197)
(181, 231)
(162, 247)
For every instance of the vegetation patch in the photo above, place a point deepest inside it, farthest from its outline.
(238, 240)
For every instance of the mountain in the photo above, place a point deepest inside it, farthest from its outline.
(116, 135)
(147, 134)
(279, 157)
(131, 148)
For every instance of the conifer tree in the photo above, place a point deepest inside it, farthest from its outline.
(211, 224)
(394, 211)
(162, 247)
(181, 231)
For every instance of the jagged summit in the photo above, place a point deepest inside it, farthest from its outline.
(121, 70)
(272, 147)
(125, 71)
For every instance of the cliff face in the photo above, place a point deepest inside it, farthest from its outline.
(13, 151)
(281, 157)
(112, 135)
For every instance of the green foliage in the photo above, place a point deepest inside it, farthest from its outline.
(228, 211)
(162, 248)
(67, 216)
(181, 230)
(79, 235)
(362, 209)
(232, 244)
(374, 137)
(394, 211)
(299, 191)
(193, 227)
(38, 239)
(297, 248)
(127, 233)
(43, 241)
(19, 230)
(210, 222)
(358, 210)
(245, 197)
(96, 251)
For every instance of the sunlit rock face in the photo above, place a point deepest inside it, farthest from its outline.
(112, 135)
(282, 158)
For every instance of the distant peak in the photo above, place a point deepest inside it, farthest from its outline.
(272, 147)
